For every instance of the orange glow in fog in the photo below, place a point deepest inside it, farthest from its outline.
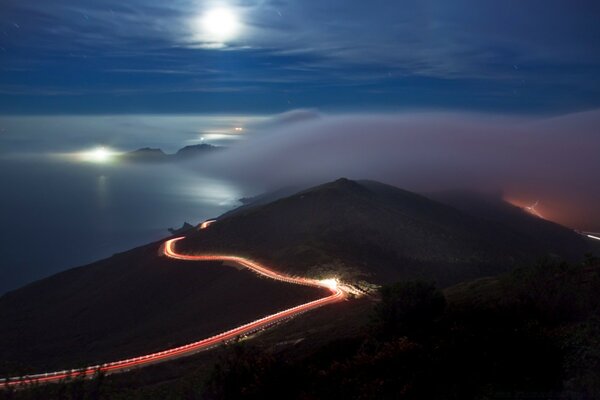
(532, 210)
(527, 207)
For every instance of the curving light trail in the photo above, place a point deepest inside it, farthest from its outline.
(206, 224)
(336, 294)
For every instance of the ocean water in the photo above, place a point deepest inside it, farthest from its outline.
(57, 213)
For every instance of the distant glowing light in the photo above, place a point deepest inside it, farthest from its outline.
(97, 155)
(593, 237)
(219, 24)
(238, 129)
(532, 210)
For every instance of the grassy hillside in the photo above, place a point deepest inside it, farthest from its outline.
(130, 304)
(378, 233)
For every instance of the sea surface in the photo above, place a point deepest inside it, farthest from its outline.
(58, 212)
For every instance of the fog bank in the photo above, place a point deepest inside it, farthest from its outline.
(555, 161)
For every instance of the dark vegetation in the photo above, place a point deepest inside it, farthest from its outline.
(530, 334)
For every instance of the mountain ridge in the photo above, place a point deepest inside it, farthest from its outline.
(151, 155)
(361, 223)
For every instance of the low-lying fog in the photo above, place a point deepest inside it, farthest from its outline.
(553, 161)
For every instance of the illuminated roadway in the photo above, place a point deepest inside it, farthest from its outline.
(336, 294)
(592, 235)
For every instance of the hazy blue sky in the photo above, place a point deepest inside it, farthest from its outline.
(149, 56)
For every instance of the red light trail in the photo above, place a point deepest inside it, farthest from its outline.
(336, 294)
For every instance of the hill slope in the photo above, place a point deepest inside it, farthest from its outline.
(543, 234)
(379, 233)
(130, 304)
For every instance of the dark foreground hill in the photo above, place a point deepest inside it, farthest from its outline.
(530, 334)
(130, 304)
(370, 231)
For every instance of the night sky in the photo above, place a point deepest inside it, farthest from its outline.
(148, 56)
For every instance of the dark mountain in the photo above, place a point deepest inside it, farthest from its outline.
(195, 150)
(375, 232)
(148, 154)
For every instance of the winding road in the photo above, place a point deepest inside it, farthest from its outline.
(168, 249)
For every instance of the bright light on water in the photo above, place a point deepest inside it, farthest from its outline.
(98, 155)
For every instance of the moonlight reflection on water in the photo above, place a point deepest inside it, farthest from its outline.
(96, 209)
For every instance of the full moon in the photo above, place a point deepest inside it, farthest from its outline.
(220, 24)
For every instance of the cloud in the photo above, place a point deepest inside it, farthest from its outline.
(434, 38)
(551, 160)
(532, 56)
